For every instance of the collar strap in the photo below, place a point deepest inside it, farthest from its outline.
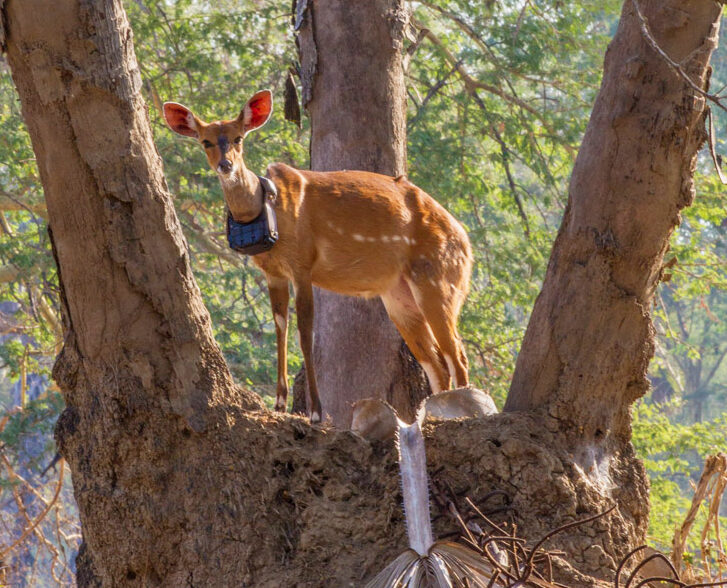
(261, 233)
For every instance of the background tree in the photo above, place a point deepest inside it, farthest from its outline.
(353, 88)
(600, 245)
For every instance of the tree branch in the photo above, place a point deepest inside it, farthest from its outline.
(513, 188)
(39, 518)
(8, 202)
(715, 367)
(430, 94)
(471, 84)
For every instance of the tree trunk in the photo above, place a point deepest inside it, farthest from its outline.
(353, 89)
(181, 478)
(590, 337)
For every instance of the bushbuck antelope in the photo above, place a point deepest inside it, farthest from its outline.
(353, 232)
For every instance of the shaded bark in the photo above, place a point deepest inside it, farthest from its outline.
(132, 308)
(354, 92)
(180, 477)
(590, 337)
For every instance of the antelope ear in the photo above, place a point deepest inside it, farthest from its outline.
(181, 119)
(257, 110)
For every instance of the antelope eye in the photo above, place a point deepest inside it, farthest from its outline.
(207, 144)
(238, 140)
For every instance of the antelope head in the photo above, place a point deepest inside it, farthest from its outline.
(222, 144)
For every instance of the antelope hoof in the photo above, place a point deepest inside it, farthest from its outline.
(315, 417)
(280, 404)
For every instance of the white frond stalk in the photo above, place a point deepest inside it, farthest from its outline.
(426, 564)
(415, 487)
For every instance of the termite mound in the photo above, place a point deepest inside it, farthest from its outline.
(286, 503)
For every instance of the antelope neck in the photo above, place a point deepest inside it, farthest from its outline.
(243, 194)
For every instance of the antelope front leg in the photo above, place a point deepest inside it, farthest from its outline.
(279, 296)
(304, 309)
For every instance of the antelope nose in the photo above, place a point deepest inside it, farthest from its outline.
(225, 166)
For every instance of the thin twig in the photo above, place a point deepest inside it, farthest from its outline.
(430, 94)
(566, 527)
(38, 519)
(471, 84)
(646, 31)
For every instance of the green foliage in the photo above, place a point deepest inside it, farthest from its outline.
(670, 452)
(500, 159)
(27, 271)
(36, 418)
(11, 354)
(494, 141)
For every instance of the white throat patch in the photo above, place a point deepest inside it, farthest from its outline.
(228, 180)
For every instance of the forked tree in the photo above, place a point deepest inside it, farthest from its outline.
(184, 479)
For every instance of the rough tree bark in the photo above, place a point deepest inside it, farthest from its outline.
(590, 337)
(181, 479)
(354, 91)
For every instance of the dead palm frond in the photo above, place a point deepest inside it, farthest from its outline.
(427, 564)
(445, 564)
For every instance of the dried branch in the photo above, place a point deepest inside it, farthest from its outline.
(712, 484)
(4, 553)
(15, 475)
(715, 466)
(716, 159)
(717, 491)
(513, 563)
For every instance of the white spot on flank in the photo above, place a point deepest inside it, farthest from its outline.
(339, 230)
(406, 240)
(396, 238)
(371, 239)
(385, 238)
(357, 237)
(280, 321)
